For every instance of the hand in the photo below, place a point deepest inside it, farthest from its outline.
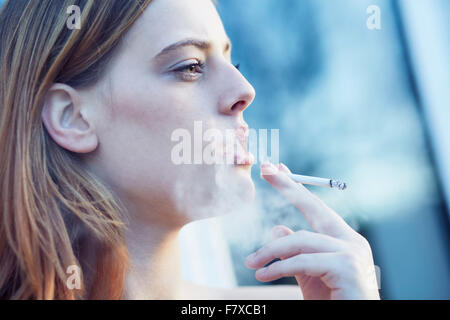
(335, 262)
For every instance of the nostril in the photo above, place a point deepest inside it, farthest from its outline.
(238, 106)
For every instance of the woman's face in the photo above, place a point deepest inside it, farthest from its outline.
(173, 69)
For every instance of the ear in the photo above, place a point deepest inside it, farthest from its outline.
(65, 119)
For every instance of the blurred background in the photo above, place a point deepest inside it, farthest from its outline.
(368, 106)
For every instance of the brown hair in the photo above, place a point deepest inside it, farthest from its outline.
(53, 213)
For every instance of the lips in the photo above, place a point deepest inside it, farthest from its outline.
(242, 134)
(244, 159)
(242, 156)
(233, 149)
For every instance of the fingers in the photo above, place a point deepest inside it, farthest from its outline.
(300, 242)
(313, 264)
(342, 274)
(321, 218)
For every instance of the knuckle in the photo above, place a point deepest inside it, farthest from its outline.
(333, 278)
(325, 226)
(363, 242)
(349, 262)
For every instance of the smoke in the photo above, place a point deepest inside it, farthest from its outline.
(251, 226)
(248, 207)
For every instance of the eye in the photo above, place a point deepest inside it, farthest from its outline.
(190, 71)
(191, 68)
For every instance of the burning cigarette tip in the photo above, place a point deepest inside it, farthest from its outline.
(338, 184)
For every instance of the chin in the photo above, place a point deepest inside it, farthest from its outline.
(245, 188)
(229, 190)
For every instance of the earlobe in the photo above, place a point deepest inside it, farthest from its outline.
(65, 121)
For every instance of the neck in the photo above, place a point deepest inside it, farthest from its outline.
(155, 261)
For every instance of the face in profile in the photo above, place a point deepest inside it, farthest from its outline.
(172, 70)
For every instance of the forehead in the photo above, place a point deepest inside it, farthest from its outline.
(165, 22)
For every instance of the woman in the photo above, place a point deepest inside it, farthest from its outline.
(87, 174)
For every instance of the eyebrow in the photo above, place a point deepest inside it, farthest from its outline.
(202, 45)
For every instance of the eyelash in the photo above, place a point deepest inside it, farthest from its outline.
(189, 76)
(184, 73)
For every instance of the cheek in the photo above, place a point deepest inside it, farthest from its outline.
(136, 147)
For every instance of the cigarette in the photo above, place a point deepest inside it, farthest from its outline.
(321, 182)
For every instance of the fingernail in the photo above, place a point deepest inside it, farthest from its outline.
(268, 169)
(278, 232)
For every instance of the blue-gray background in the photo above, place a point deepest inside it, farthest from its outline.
(344, 101)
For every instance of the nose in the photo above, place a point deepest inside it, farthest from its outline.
(237, 93)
